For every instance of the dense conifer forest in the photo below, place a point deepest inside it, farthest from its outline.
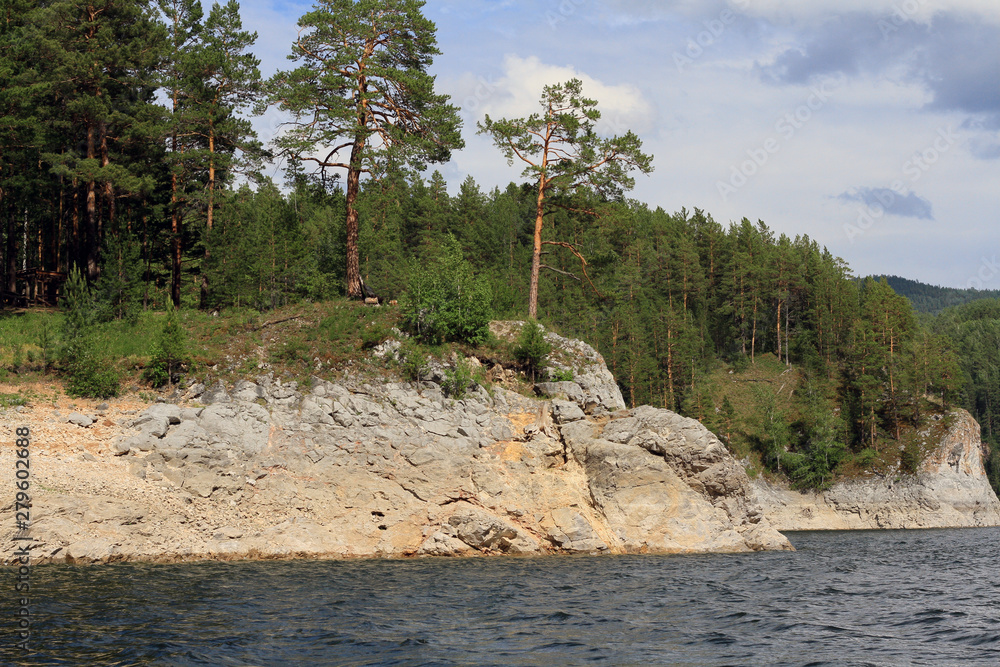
(933, 299)
(126, 155)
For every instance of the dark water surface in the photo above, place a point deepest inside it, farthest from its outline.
(883, 598)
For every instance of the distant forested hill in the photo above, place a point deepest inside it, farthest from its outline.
(933, 299)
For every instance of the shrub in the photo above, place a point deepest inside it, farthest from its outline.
(93, 379)
(412, 361)
(531, 347)
(170, 351)
(910, 459)
(458, 379)
(87, 375)
(561, 375)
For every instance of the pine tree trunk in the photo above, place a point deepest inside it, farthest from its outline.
(11, 254)
(211, 210)
(536, 252)
(90, 247)
(353, 186)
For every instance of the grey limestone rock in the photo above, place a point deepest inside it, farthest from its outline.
(168, 411)
(80, 419)
(215, 394)
(564, 412)
(357, 469)
(248, 391)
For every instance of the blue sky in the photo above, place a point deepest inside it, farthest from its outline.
(873, 126)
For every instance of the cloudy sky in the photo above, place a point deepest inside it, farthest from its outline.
(873, 126)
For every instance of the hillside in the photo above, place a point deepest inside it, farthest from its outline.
(933, 299)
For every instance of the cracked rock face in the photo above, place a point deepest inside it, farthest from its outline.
(269, 470)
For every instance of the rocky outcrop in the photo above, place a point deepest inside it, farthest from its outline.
(593, 387)
(266, 470)
(950, 491)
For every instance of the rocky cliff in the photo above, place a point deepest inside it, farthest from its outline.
(353, 468)
(950, 491)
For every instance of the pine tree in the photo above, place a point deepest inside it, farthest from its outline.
(95, 73)
(362, 88)
(170, 351)
(564, 155)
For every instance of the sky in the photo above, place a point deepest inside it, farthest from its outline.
(872, 126)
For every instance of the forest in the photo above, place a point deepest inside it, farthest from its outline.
(933, 299)
(126, 155)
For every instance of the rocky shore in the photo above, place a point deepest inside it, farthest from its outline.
(949, 491)
(351, 467)
(272, 470)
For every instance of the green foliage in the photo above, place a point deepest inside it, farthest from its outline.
(86, 373)
(458, 379)
(821, 447)
(78, 309)
(412, 361)
(910, 458)
(89, 376)
(561, 375)
(118, 292)
(258, 253)
(374, 333)
(362, 82)
(865, 458)
(446, 301)
(12, 400)
(531, 348)
(566, 158)
(170, 351)
(932, 299)
(993, 467)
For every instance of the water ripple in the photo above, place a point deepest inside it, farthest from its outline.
(880, 598)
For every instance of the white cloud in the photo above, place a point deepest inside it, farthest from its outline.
(517, 92)
(921, 11)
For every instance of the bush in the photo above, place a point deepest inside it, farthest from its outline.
(412, 362)
(458, 379)
(170, 351)
(910, 459)
(87, 375)
(531, 347)
(446, 301)
(561, 375)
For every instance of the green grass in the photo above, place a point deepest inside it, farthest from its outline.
(12, 400)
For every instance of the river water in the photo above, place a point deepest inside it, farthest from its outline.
(874, 597)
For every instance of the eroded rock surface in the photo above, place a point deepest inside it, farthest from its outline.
(265, 469)
(950, 491)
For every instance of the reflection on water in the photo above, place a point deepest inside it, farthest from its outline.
(894, 597)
